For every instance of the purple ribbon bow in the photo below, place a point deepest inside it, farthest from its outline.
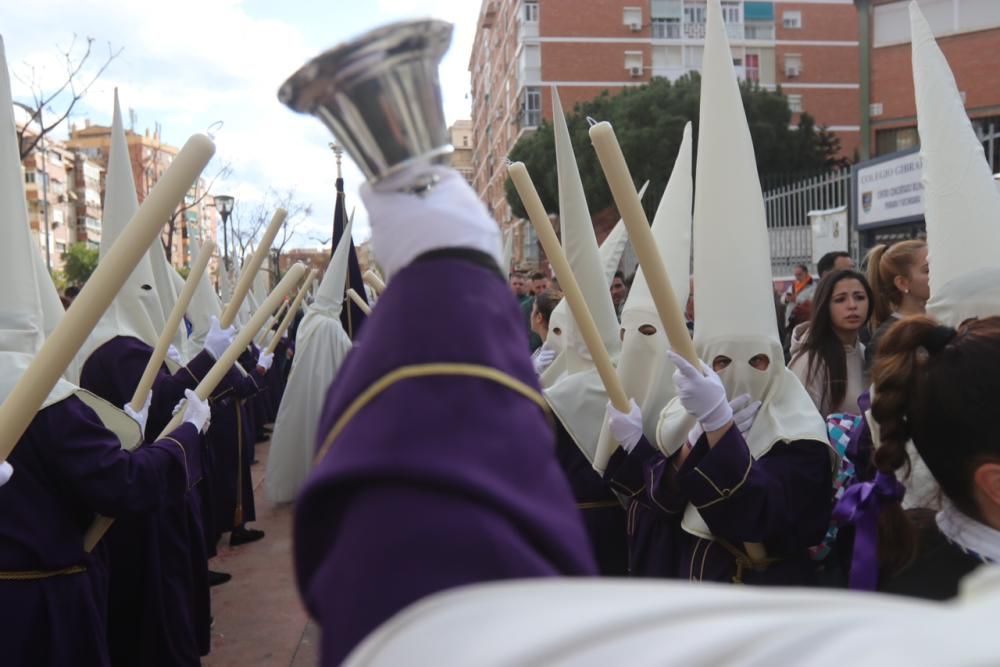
(860, 506)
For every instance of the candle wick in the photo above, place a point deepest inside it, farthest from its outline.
(591, 121)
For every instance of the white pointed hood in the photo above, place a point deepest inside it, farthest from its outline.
(734, 302)
(329, 299)
(136, 310)
(612, 249)
(561, 320)
(578, 397)
(261, 282)
(580, 244)
(27, 286)
(644, 368)
(962, 204)
(321, 345)
(204, 304)
(168, 288)
(225, 283)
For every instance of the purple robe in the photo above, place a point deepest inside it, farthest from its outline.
(159, 609)
(231, 440)
(602, 513)
(439, 481)
(648, 530)
(782, 500)
(67, 466)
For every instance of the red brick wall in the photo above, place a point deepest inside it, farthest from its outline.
(973, 59)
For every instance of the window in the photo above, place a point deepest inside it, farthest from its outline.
(666, 28)
(731, 12)
(694, 13)
(531, 12)
(532, 107)
(793, 65)
(632, 18)
(899, 139)
(465, 141)
(29, 177)
(791, 20)
(795, 103)
(60, 247)
(633, 62)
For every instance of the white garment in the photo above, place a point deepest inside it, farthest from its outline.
(968, 533)
(321, 345)
(594, 622)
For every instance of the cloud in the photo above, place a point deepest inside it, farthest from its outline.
(189, 63)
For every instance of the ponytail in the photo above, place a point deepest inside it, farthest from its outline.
(885, 264)
(881, 306)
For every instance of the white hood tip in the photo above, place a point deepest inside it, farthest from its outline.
(962, 204)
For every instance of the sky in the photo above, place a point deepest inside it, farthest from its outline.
(187, 64)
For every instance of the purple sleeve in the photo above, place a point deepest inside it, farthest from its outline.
(784, 495)
(626, 472)
(114, 481)
(395, 544)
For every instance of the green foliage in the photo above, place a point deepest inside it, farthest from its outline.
(80, 260)
(649, 122)
(185, 271)
(59, 280)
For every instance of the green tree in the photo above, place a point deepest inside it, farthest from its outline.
(80, 260)
(649, 122)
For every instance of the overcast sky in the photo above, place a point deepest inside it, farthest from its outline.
(189, 63)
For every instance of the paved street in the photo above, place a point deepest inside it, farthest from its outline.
(259, 619)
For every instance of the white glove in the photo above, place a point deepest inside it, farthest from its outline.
(285, 335)
(265, 359)
(744, 412)
(218, 340)
(174, 355)
(543, 360)
(6, 470)
(142, 415)
(701, 393)
(625, 428)
(449, 215)
(196, 411)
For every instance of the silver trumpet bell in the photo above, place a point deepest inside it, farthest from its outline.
(380, 96)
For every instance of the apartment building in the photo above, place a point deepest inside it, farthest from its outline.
(968, 32)
(150, 158)
(523, 47)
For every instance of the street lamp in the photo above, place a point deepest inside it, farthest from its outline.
(224, 205)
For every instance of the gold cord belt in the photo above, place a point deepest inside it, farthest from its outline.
(34, 575)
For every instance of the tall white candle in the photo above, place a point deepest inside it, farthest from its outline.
(574, 296)
(170, 329)
(251, 268)
(69, 336)
(215, 374)
(609, 153)
(292, 310)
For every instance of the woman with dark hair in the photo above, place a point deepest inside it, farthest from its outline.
(933, 386)
(900, 279)
(827, 356)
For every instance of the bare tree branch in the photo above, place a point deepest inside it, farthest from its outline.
(75, 86)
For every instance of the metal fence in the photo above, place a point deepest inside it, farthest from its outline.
(787, 216)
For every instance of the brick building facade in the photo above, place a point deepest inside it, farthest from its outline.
(968, 32)
(524, 47)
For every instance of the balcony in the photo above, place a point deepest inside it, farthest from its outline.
(666, 30)
(671, 73)
(759, 31)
